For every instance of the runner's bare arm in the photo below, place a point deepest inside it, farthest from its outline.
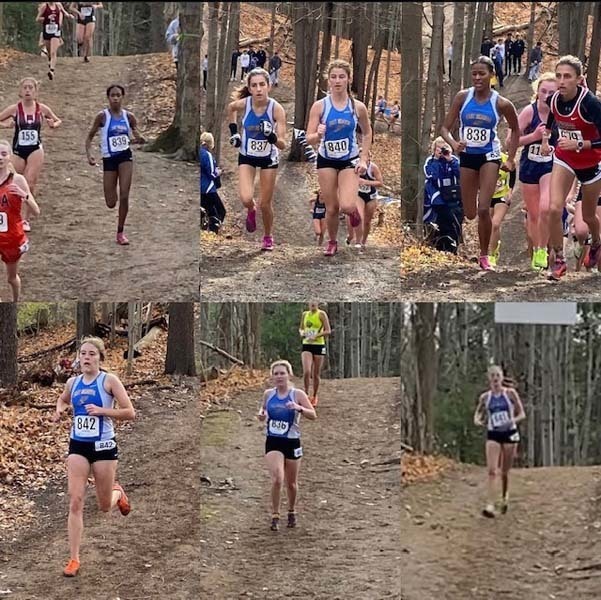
(375, 171)
(8, 112)
(137, 137)
(301, 331)
(51, 118)
(313, 137)
(64, 11)
(262, 415)
(478, 412)
(450, 120)
(524, 119)
(327, 329)
(520, 413)
(41, 9)
(124, 411)
(74, 10)
(279, 115)
(23, 190)
(233, 108)
(64, 400)
(365, 125)
(96, 125)
(302, 399)
(507, 109)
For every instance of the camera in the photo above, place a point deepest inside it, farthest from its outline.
(445, 151)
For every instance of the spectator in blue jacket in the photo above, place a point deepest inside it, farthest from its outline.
(212, 208)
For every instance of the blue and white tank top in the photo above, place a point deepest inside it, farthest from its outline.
(115, 134)
(478, 125)
(91, 428)
(340, 140)
(282, 422)
(500, 412)
(254, 141)
(368, 189)
(531, 152)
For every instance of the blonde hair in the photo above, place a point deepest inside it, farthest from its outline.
(35, 82)
(281, 363)
(97, 343)
(244, 91)
(11, 167)
(495, 369)
(207, 139)
(548, 76)
(439, 141)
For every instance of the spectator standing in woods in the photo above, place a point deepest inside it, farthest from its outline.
(172, 38)
(205, 70)
(486, 47)
(234, 64)
(244, 63)
(508, 56)
(517, 51)
(536, 58)
(275, 64)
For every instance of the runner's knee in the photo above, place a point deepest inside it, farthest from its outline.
(277, 478)
(483, 211)
(292, 486)
(76, 503)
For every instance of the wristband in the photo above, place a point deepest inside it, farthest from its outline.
(233, 128)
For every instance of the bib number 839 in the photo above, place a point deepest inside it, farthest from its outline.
(119, 143)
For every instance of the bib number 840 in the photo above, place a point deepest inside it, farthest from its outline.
(337, 148)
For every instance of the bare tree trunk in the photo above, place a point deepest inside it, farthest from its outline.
(180, 356)
(359, 46)
(593, 61)
(458, 37)
(530, 37)
(469, 38)
(338, 10)
(392, 23)
(326, 48)
(8, 344)
(272, 29)
(211, 118)
(85, 320)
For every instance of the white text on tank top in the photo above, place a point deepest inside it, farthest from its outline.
(478, 125)
(500, 419)
(254, 141)
(366, 189)
(115, 134)
(279, 423)
(86, 427)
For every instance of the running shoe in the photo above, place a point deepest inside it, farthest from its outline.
(559, 269)
(540, 258)
(496, 253)
(492, 259)
(267, 243)
(489, 511)
(122, 239)
(86, 59)
(26, 225)
(348, 240)
(592, 258)
(355, 218)
(275, 522)
(331, 249)
(123, 503)
(291, 518)
(51, 74)
(251, 220)
(485, 264)
(504, 504)
(44, 52)
(72, 568)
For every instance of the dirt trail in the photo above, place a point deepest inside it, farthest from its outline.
(513, 279)
(73, 251)
(296, 263)
(151, 553)
(347, 541)
(538, 550)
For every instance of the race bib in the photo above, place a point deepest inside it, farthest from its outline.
(278, 427)
(571, 134)
(476, 137)
(534, 154)
(51, 28)
(87, 426)
(499, 419)
(493, 155)
(3, 222)
(118, 143)
(28, 137)
(258, 148)
(298, 452)
(86, 11)
(337, 148)
(365, 189)
(106, 445)
(514, 437)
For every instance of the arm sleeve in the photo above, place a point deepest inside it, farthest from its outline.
(591, 111)
(207, 165)
(551, 117)
(512, 178)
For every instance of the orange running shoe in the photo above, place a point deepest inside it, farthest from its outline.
(72, 568)
(123, 502)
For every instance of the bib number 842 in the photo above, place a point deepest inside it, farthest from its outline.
(86, 426)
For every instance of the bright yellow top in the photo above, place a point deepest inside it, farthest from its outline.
(502, 188)
(311, 325)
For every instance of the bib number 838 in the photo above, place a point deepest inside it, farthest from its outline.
(477, 136)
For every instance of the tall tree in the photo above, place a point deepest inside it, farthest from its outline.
(411, 104)
(85, 320)
(593, 61)
(326, 47)
(359, 47)
(181, 138)
(458, 38)
(469, 38)
(180, 357)
(8, 344)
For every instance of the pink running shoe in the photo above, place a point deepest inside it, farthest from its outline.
(485, 264)
(331, 248)
(251, 220)
(355, 218)
(267, 243)
(122, 239)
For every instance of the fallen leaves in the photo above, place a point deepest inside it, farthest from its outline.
(419, 467)
(220, 390)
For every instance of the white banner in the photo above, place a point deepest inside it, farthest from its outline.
(536, 313)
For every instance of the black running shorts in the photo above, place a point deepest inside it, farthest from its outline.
(88, 450)
(290, 447)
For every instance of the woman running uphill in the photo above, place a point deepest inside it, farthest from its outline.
(499, 410)
(314, 328)
(263, 136)
(333, 125)
(14, 194)
(479, 110)
(92, 445)
(28, 153)
(281, 410)
(118, 128)
(577, 114)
